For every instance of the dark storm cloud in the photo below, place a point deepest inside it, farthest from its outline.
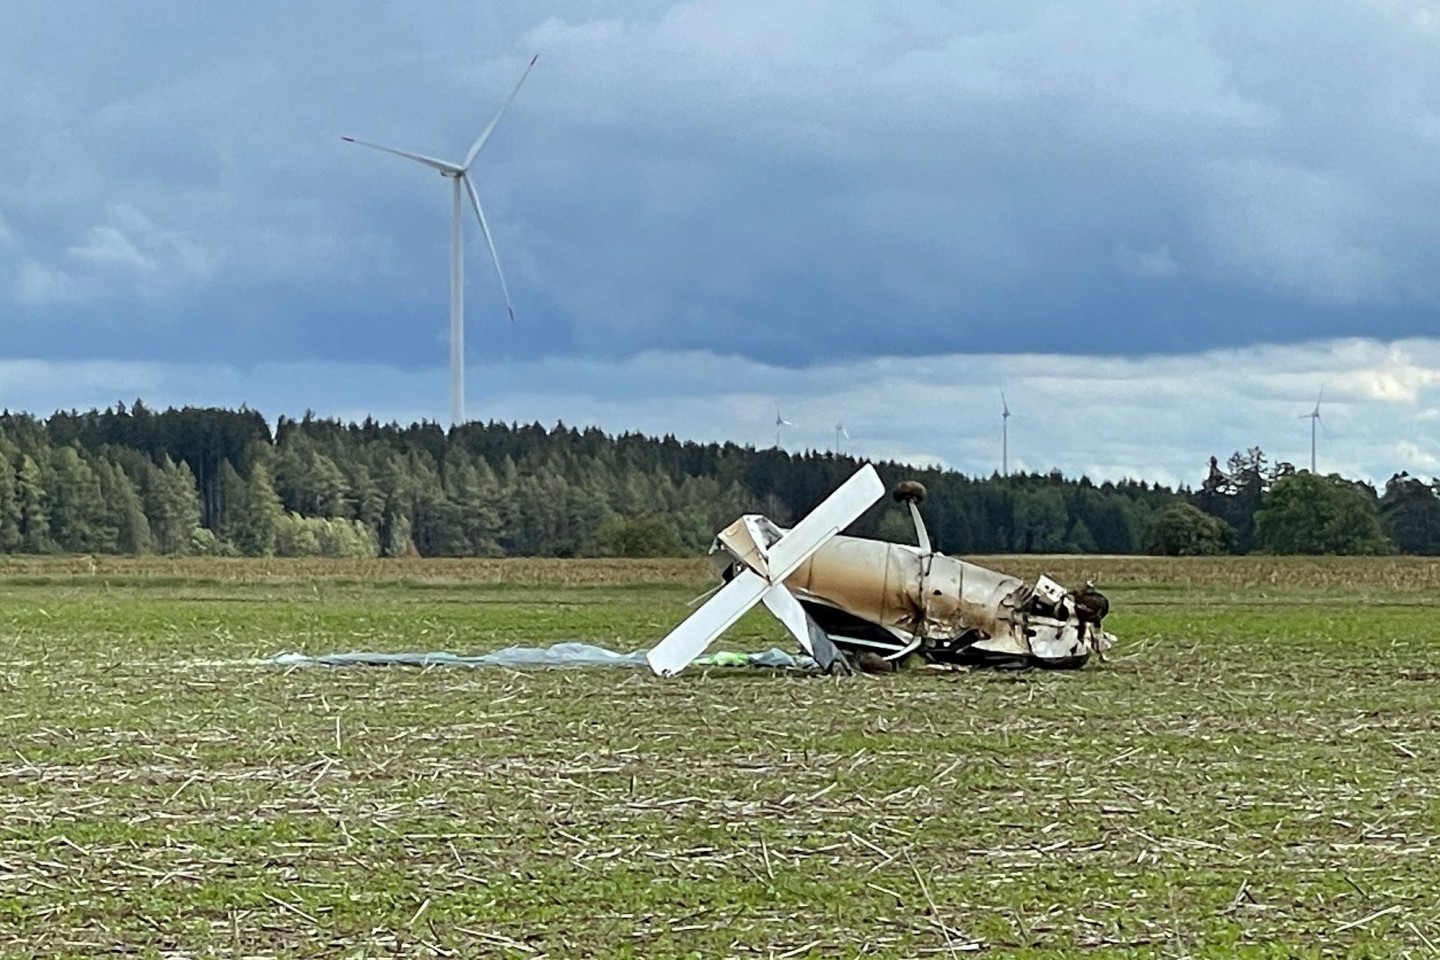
(796, 182)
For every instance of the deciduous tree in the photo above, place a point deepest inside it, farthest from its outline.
(1305, 513)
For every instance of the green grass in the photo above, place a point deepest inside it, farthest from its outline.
(1254, 773)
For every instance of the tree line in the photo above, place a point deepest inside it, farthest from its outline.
(204, 481)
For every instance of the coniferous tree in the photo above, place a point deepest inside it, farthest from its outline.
(79, 522)
(172, 505)
(367, 497)
(34, 507)
(124, 510)
(253, 532)
(227, 513)
(10, 538)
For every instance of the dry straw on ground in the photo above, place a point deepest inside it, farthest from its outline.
(1255, 772)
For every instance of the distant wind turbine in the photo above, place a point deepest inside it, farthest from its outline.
(459, 174)
(1004, 436)
(1314, 418)
(840, 431)
(780, 422)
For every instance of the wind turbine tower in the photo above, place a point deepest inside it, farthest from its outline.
(1004, 436)
(1314, 417)
(460, 183)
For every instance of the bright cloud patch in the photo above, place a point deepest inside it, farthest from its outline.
(1157, 419)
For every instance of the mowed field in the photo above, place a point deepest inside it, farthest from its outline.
(1254, 773)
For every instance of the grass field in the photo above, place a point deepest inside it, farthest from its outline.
(1254, 773)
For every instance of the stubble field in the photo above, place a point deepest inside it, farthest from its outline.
(1254, 773)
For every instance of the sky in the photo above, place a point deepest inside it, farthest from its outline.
(1161, 228)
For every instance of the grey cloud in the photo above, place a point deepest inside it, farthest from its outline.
(796, 181)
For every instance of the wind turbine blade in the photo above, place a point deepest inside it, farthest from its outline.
(485, 134)
(485, 229)
(440, 165)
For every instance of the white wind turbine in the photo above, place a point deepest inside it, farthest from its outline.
(840, 431)
(459, 175)
(1004, 436)
(1314, 417)
(780, 422)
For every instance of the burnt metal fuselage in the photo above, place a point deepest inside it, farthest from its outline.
(895, 599)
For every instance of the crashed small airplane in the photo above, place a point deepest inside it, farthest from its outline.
(847, 598)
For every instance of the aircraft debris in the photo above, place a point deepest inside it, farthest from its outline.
(852, 601)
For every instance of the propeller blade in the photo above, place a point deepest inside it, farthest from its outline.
(440, 165)
(485, 229)
(485, 134)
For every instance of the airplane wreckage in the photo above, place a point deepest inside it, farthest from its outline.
(876, 603)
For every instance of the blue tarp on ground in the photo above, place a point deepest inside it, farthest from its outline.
(570, 654)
